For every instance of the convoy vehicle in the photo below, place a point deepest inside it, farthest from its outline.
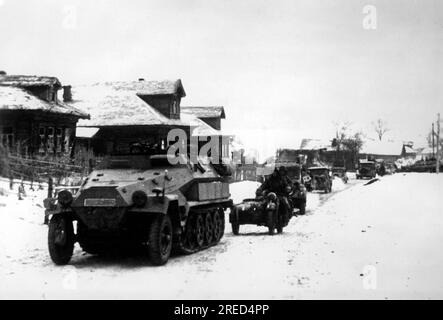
(366, 169)
(294, 173)
(340, 172)
(320, 179)
(261, 211)
(133, 200)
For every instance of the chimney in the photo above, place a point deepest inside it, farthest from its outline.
(67, 95)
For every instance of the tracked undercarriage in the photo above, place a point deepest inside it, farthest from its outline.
(204, 229)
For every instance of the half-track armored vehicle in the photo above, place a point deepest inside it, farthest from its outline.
(140, 200)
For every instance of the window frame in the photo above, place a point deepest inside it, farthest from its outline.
(7, 138)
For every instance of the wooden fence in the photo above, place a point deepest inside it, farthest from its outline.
(43, 173)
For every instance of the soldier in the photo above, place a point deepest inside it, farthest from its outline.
(281, 185)
(285, 207)
(277, 182)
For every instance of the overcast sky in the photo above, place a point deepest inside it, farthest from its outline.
(284, 70)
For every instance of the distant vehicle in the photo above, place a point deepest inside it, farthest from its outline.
(260, 211)
(320, 179)
(366, 169)
(340, 172)
(142, 200)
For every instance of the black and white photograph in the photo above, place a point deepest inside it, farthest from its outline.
(209, 150)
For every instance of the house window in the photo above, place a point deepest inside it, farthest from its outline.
(42, 136)
(7, 137)
(174, 107)
(67, 140)
(53, 139)
(58, 139)
(50, 142)
(225, 150)
(51, 95)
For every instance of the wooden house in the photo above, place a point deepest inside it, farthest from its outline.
(389, 151)
(212, 115)
(127, 114)
(33, 121)
(207, 123)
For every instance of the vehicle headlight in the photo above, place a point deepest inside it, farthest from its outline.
(139, 198)
(64, 198)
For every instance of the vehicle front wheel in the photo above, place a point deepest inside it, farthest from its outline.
(302, 209)
(279, 224)
(270, 222)
(234, 223)
(160, 240)
(60, 239)
(235, 228)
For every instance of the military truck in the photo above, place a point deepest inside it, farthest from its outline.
(366, 169)
(140, 200)
(320, 179)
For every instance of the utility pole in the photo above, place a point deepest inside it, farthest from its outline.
(433, 141)
(438, 144)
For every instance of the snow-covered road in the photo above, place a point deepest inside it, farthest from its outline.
(377, 241)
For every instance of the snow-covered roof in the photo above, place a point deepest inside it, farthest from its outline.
(13, 98)
(409, 149)
(200, 128)
(86, 132)
(28, 81)
(119, 104)
(314, 144)
(149, 87)
(288, 155)
(376, 147)
(205, 112)
(427, 151)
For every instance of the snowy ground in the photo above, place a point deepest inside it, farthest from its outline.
(377, 241)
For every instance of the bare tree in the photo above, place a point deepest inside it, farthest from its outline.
(380, 128)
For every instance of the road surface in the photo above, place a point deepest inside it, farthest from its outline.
(380, 241)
